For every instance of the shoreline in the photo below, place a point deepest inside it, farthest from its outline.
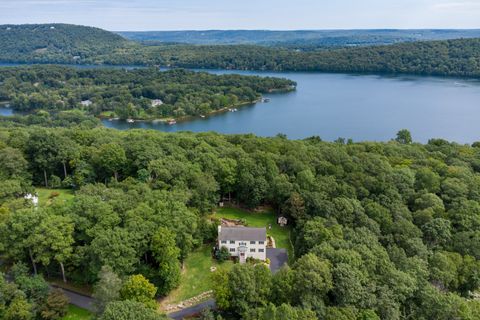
(185, 118)
(214, 112)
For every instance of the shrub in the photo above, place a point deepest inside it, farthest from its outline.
(222, 254)
(56, 305)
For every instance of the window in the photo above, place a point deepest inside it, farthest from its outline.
(243, 244)
(224, 242)
(252, 242)
(232, 242)
(232, 249)
(261, 250)
(260, 242)
(252, 250)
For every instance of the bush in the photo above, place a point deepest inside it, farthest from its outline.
(138, 288)
(222, 254)
(55, 181)
(129, 310)
(56, 305)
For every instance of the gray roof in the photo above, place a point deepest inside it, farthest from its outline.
(243, 233)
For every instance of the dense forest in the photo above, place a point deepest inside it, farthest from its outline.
(138, 94)
(55, 43)
(446, 58)
(83, 45)
(381, 230)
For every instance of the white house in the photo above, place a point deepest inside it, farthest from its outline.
(157, 102)
(243, 242)
(86, 103)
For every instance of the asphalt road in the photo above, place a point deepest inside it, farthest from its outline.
(86, 302)
(79, 300)
(278, 257)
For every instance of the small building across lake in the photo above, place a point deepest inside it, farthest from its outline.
(244, 242)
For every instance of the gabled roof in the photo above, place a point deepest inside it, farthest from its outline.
(242, 233)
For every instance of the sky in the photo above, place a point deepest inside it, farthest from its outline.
(142, 15)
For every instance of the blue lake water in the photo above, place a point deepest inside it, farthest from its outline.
(361, 107)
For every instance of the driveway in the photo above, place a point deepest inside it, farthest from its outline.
(278, 257)
(78, 300)
(193, 310)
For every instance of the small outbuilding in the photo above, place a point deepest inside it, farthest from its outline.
(282, 221)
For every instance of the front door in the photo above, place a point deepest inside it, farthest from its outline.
(242, 256)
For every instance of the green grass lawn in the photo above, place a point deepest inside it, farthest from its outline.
(76, 313)
(262, 219)
(45, 196)
(196, 277)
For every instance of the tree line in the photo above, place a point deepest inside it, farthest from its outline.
(380, 230)
(443, 58)
(59, 43)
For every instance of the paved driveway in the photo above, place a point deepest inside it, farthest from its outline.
(278, 257)
(193, 310)
(79, 300)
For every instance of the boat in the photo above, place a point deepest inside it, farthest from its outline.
(172, 122)
(202, 116)
(130, 120)
(266, 100)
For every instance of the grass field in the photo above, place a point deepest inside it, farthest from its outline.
(263, 219)
(196, 277)
(76, 313)
(45, 196)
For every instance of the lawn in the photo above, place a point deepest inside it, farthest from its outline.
(76, 313)
(262, 219)
(196, 277)
(46, 196)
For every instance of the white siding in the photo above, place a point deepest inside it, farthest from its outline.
(257, 246)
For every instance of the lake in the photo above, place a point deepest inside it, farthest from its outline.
(361, 107)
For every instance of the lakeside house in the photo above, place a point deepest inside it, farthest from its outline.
(157, 102)
(244, 242)
(86, 103)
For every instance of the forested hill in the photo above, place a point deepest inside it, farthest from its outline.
(84, 45)
(300, 38)
(61, 43)
(453, 58)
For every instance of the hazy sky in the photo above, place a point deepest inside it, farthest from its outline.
(245, 14)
